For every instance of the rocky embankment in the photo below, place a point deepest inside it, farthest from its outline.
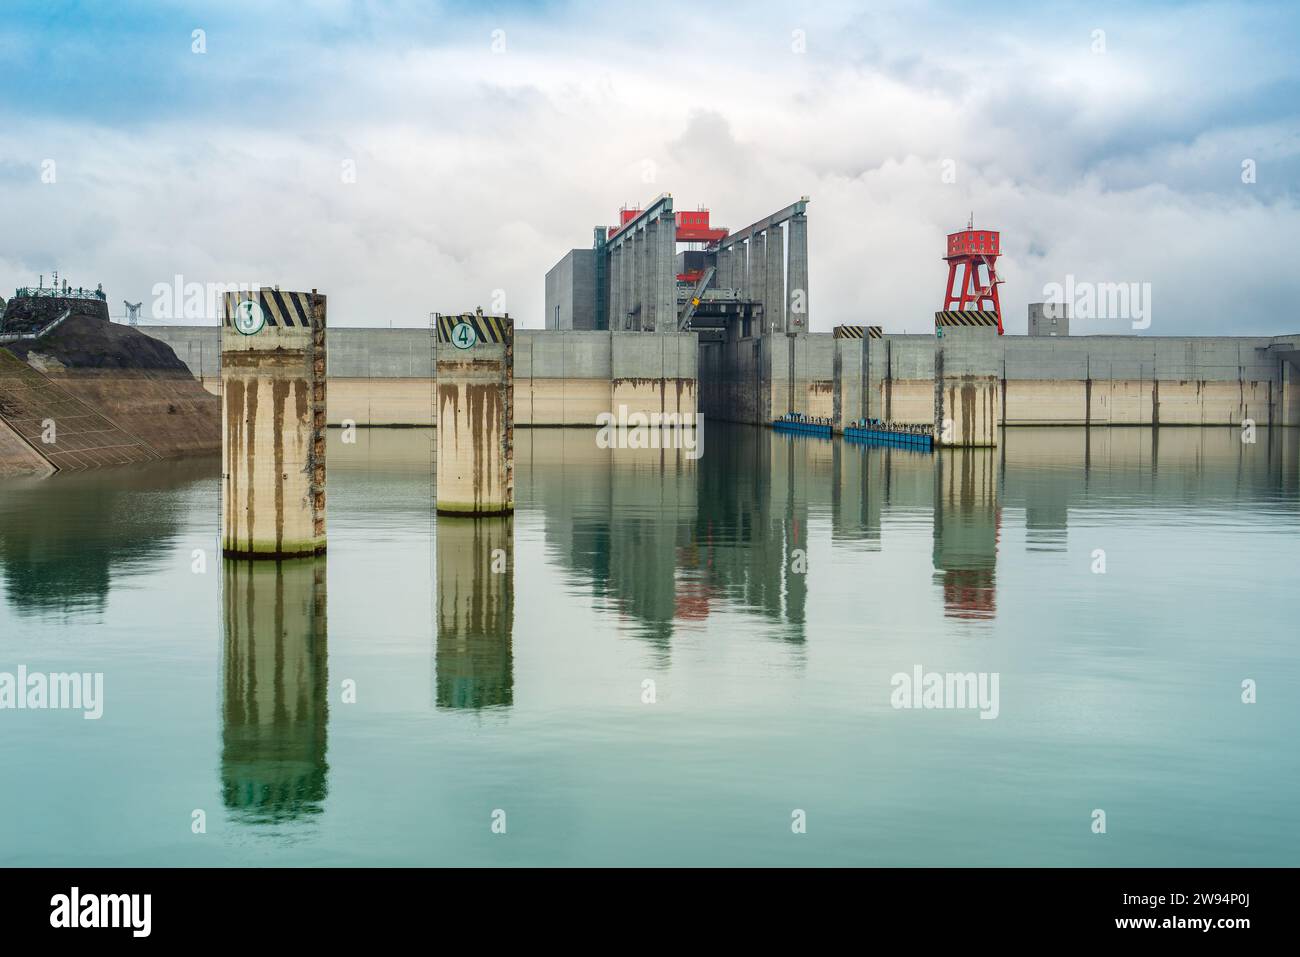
(92, 393)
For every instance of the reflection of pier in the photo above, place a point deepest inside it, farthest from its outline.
(966, 524)
(473, 660)
(275, 690)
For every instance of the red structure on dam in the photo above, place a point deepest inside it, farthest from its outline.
(970, 290)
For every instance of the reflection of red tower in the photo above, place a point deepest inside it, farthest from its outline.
(968, 250)
(692, 591)
(972, 592)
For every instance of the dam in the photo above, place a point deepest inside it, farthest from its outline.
(666, 316)
(735, 342)
(384, 377)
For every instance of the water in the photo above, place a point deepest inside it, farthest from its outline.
(224, 687)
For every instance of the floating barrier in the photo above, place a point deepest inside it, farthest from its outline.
(875, 432)
(871, 431)
(808, 424)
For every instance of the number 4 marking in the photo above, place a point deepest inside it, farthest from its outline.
(463, 335)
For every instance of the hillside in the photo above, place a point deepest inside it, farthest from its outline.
(116, 395)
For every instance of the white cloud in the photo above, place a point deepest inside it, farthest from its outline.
(477, 171)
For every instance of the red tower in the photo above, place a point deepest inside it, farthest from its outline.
(968, 250)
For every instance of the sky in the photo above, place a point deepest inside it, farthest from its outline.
(412, 157)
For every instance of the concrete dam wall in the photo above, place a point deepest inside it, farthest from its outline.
(382, 377)
(1084, 380)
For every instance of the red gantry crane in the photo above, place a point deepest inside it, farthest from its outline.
(968, 290)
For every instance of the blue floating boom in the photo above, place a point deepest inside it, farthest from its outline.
(869, 431)
(802, 424)
(895, 438)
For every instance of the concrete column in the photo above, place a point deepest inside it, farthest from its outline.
(797, 296)
(641, 279)
(838, 385)
(666, 309)
(273, 424)
(650, 282)
(850, 381)
(649, 290)
(967, 383)
(625, 283)
(864, 411)
(473, 659)
(758, 272)
(741, 268)
(475, 415)
(614, 315)
(774, 296)
(274, 708)
(628, 293)
(1290, 393)
(722, 277)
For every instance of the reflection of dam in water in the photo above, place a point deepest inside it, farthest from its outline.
(667, 541)
(1177, 521)
(275, 689)
(757, 493)
(473, 659)
(966, 525)
(662, 537)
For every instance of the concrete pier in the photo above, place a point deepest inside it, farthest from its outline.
(665, 238)
(646, 242)
(473, 660)
(274, 709)
(1288, 360)
(723, 280)
(640, 279)
(797, 295)
(617, 311)
(475, 415)
(273, 424)
(758, 272)
(774, 310)
(627, 285)
(740, 268)
(967, 379)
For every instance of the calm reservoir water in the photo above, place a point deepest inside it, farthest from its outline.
(763, 597)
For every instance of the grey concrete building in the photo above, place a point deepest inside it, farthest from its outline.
(571, 291)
